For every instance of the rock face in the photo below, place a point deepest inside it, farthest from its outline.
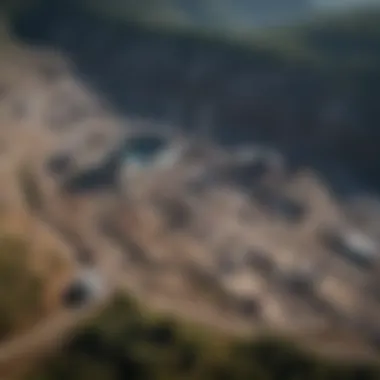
(232, 94)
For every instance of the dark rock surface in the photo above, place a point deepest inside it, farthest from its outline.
(76, 295)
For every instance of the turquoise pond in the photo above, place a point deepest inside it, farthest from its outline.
(143, 150)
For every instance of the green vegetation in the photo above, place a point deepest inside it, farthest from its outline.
(20, 289)
(350, 41)
(125, 343)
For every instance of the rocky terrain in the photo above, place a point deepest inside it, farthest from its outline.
(235, 237)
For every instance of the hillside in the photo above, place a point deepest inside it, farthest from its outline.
(211, 214)
(310, 90)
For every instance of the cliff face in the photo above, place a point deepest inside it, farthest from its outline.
(316, 101)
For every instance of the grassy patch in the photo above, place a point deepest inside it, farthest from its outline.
(20, 290)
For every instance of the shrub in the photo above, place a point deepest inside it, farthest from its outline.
(124, 343)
